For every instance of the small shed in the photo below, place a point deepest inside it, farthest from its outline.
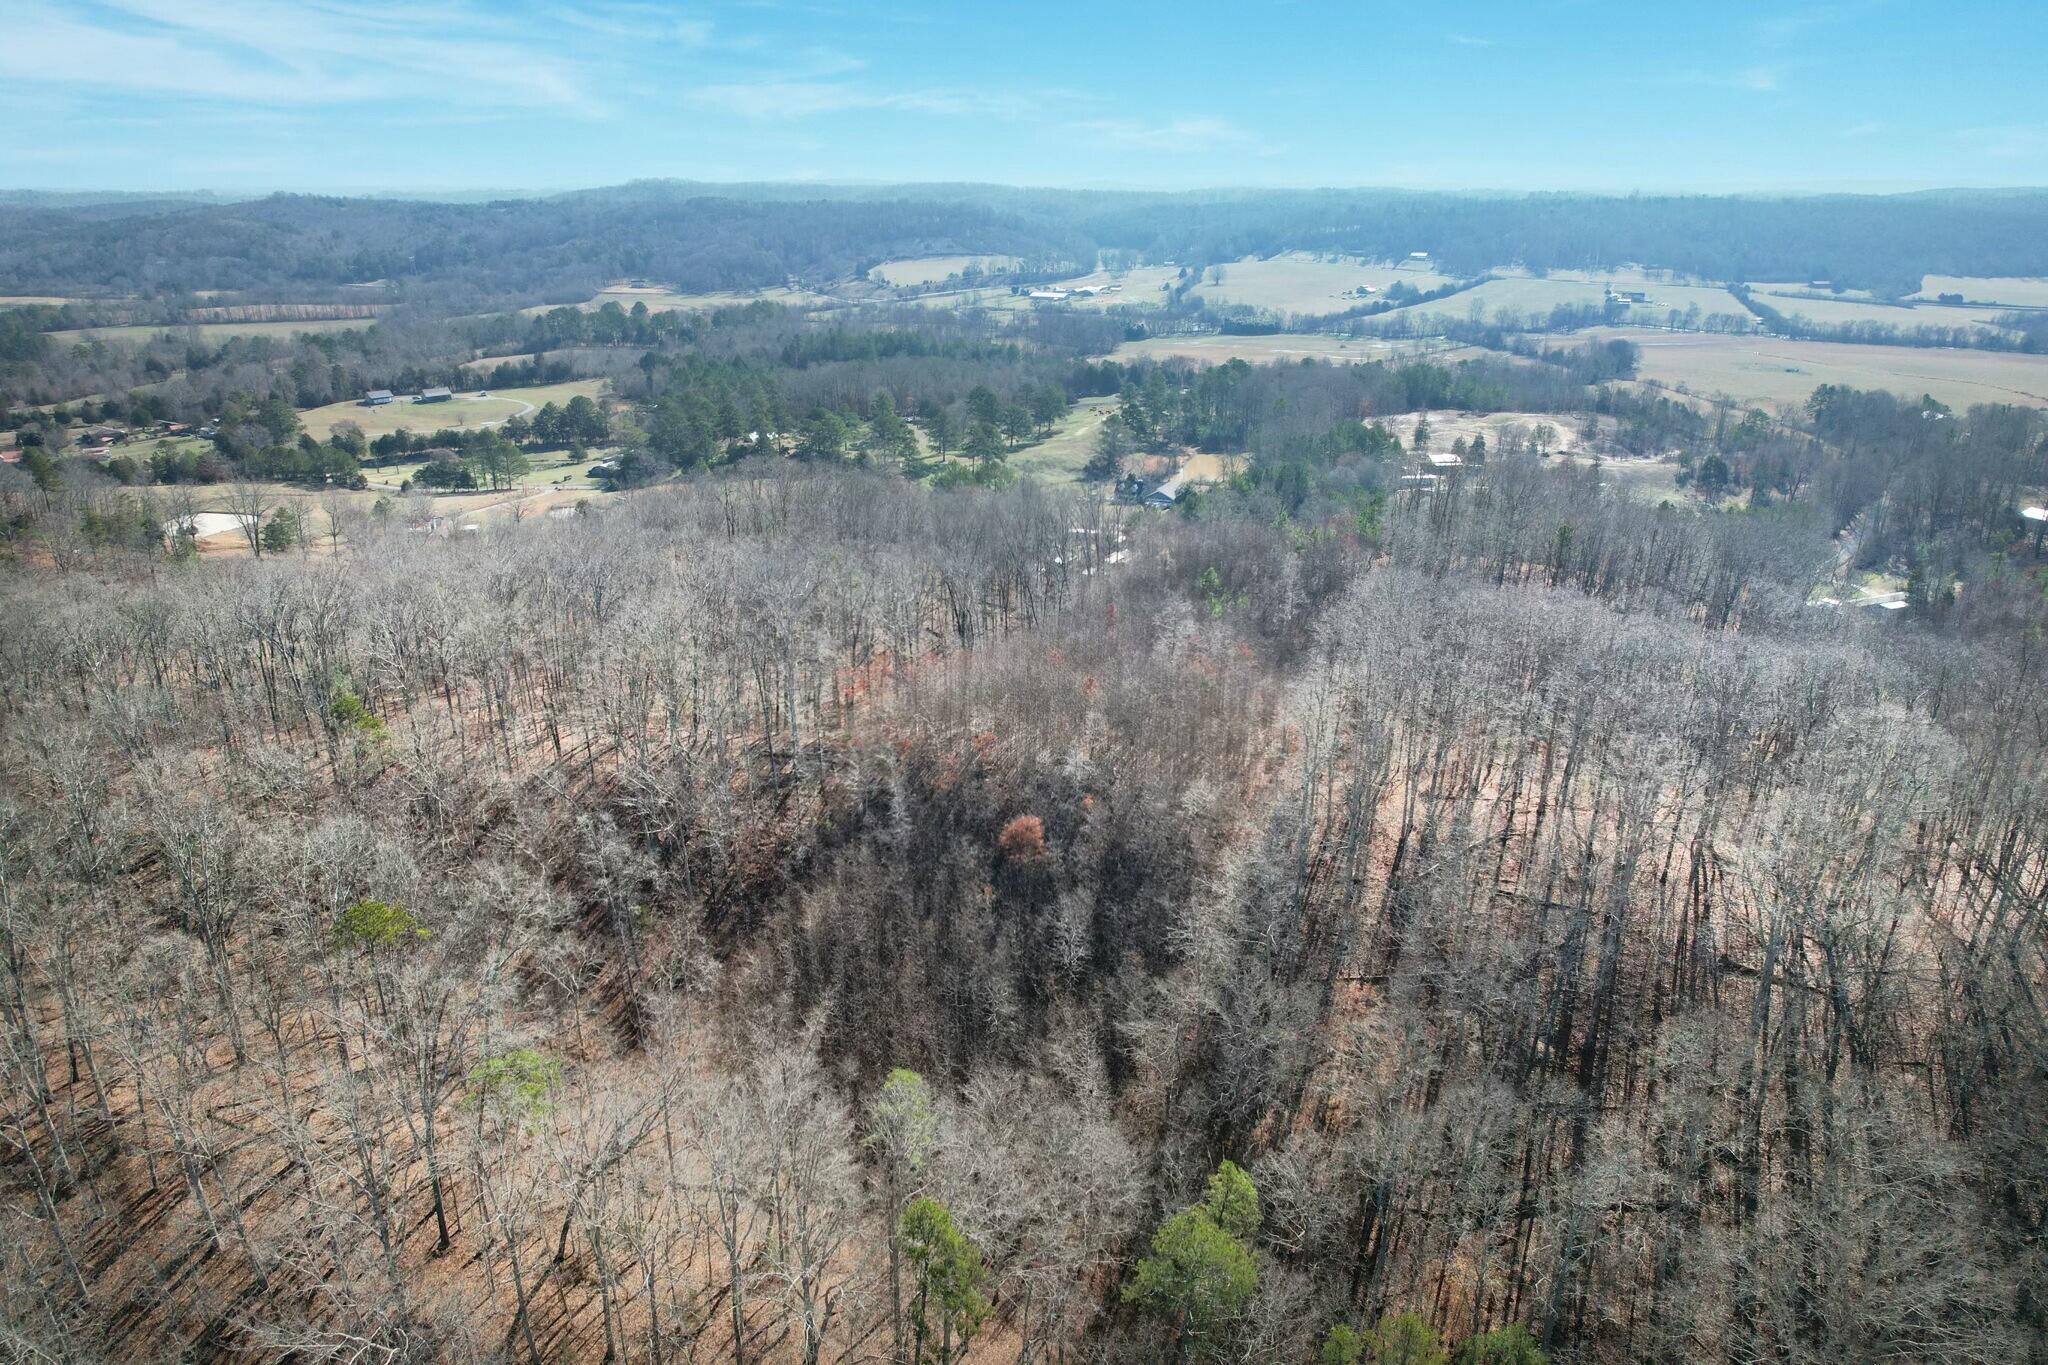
(435, 395)
(377, 398)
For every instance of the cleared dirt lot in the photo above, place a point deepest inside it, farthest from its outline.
(1767, 371)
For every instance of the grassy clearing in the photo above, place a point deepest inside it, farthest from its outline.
(665, 301)
(1304, 283)
(465, 412)
(1290, 346)
(31, 300)
(551, 469)
(2017, 293)
(210, 333)
(1650, 481)
(1510, 298)
(1144, 287)
(1766, 371)
(1831, 312)
(483, 508)
(1060, 457)
(932, 269)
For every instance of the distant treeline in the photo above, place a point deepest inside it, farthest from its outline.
(705, 238)
(562, 249)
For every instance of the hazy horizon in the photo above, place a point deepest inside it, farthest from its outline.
(482, 193)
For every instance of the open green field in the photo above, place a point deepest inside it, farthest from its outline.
(1304, 283)
(1766, 371)
(2018, 293)
(1290, 346)
(1144, 287)
(211, 333)
(1060, 457)
(464, 412)
(1508, 300)
(932, 269)
(31, 300)
(1801, 286)
(482, 509)
(1832, 312)
(486, 364)
(550, 470)
(665, 301)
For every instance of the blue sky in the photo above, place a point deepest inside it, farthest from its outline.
(347, 95)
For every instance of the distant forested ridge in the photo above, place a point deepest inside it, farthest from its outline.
(559, 249)
(698, 237)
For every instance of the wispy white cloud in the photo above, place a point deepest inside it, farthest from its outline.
(1198, 133)
(271, 52)
(1467, 40)
(772, 100)
(1760, 77)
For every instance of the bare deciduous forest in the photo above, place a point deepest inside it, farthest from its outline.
(800, 915)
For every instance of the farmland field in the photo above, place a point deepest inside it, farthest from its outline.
(1144, 287)
(932, 269)
(2019, 293)
(211, 333)
(664, 301)
(463, 412)
(1834, 312)
(1766, 370)
(1288, 346)
(31, 300)
(1301, 282)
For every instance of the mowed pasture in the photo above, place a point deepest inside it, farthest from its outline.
(933, 269)
(666, 301)
(2009, 291)
(1766, 371)
(464, 412)
(550, 469)
(1307, 284)
(1285, 347)
(33, 300)
(1510, 299)
(222, 538)
(1061, 457)
(1144, 287)
(1833, 312)
(208, 333)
